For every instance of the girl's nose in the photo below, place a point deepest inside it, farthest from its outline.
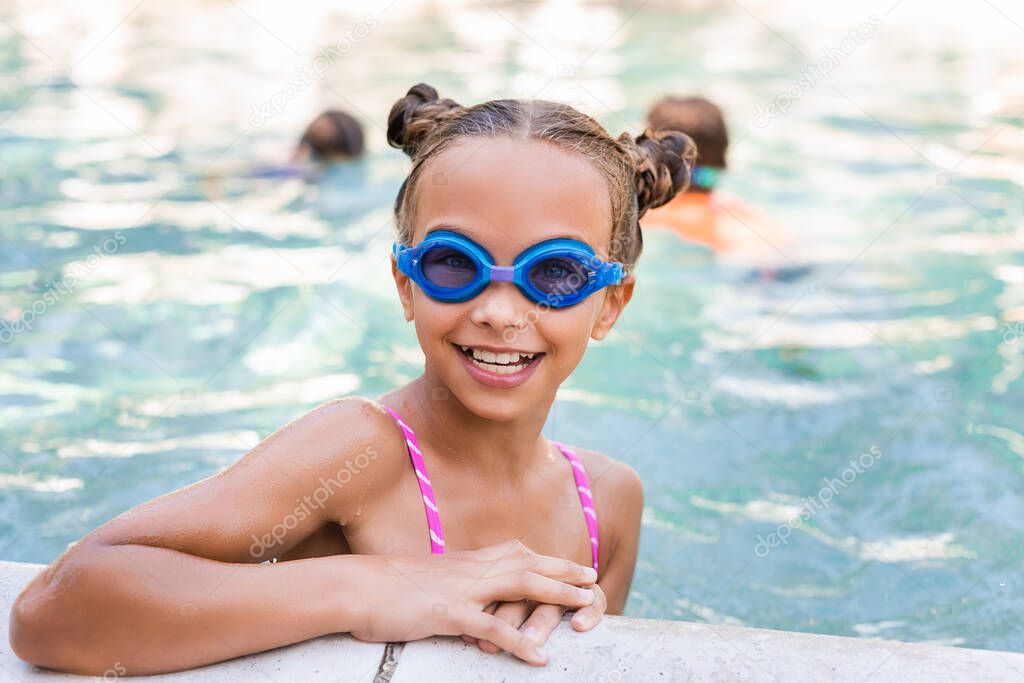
(500, 305)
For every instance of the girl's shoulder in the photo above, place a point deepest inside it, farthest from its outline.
(611, 479)
(356, 416)
(355, 429)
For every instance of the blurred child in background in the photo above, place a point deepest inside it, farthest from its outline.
(331, 136)
(703, 215)
(330, 155)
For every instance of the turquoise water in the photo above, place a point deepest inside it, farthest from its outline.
(182, 307)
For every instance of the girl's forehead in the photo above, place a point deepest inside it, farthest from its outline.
(508, 194)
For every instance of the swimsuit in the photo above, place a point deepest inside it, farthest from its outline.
(430, 502)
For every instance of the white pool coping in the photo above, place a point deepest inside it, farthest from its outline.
(618, 649)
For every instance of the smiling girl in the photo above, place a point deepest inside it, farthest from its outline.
(440, 508)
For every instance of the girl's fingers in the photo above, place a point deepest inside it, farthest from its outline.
(530, 586)
(542, 622)
(514, 556)
(561, 570)
(499, 551)
(489, 627)
(490, 610)
(513, 614)
(586, 618)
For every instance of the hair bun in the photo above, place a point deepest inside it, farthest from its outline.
(416, 115)
(662, 161)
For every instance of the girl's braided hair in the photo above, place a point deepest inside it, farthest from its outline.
(642, 172)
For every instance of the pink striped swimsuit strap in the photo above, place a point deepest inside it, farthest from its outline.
(426, 490)
(579, 474)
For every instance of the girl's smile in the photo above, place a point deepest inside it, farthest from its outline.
(498, 367)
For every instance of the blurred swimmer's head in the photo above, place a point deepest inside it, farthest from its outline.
(331, 136)
(702, 120)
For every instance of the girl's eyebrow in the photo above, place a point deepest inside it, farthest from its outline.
(470, 235)
(451, 228)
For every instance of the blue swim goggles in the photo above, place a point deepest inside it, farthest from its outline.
(450, 267)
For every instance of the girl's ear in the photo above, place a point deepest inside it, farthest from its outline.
(618, 296)
(404, 285)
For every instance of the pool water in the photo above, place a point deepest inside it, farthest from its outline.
(827, 424)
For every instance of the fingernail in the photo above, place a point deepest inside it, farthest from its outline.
(587, 594)
(591, 574)
(530, 632)
(542, 654)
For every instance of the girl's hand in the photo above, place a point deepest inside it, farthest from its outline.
(537, 622)
(413, 598)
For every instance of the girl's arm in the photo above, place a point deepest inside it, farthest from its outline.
(176, 583)
(145, 609)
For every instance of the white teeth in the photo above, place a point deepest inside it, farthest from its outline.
(498, 369)
(498, 363)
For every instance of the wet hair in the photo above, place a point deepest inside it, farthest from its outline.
(699, 118)
(641, 173)
(333, 135)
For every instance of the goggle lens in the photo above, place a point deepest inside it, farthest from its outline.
(559, 275)
(448, 267)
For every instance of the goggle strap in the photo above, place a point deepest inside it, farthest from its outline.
(610, 274)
